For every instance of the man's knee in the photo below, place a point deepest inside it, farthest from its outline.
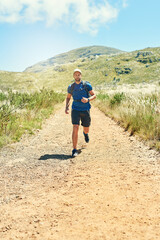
(75, 128)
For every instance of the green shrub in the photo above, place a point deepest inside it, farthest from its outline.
(2, 96)
(25, 112)
(116, 99)
(102, 96)
(139, 114)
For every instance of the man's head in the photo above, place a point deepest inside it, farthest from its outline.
(77, 74)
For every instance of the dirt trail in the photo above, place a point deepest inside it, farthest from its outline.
(111, 191)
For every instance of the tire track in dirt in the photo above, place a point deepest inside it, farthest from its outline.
(110, 191)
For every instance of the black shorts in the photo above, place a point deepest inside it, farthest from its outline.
(84, 116)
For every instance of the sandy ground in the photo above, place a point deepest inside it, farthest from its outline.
(111, 191)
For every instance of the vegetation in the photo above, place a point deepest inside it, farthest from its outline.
(23, 112)
(101, 70)
(139, 114)
(108, 70)
(72, 56)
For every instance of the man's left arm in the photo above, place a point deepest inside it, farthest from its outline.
(92, 97)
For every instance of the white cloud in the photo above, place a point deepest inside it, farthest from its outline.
(125, 3)
(91, 17)
(85, 15)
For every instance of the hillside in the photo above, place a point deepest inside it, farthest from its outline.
(72, 56)
(103, 71)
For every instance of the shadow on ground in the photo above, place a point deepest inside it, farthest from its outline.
(55, 156)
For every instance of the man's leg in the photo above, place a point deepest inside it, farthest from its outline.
(86, 130)
(86, 121)
(75, 121)
(75, 136)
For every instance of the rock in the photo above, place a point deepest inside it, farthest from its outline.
(143, 60)
(144, 54)
(124, 70)
(115, 80)
(148, 60)
(59, 69)
(96, 54)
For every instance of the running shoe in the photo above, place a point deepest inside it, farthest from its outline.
(86, 137)
(74, 152)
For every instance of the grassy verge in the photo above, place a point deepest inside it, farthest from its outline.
(23, 113)
(139, 114)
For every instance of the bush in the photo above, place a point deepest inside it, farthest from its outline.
(116, 99)
(139, 114)
(25, 112)
(102, 96)
(2, 96)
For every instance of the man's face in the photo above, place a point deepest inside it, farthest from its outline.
(77, 76)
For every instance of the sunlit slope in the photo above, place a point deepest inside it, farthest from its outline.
(134, 67)
(72, 56)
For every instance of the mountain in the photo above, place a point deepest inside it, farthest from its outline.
(72, 56)
(102, 71)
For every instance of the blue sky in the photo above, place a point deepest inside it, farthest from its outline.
(35, 30)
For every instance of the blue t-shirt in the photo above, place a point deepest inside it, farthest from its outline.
(78, 93)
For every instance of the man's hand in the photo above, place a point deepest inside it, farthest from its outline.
(67, 110)
(84, 100)
(67, 103)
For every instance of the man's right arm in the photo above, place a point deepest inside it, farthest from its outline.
(67, 103)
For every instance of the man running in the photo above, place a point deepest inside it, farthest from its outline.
(82, 94)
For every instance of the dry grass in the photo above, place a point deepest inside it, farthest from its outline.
(137, 111)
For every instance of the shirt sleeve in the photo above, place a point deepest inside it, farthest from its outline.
(69, 89)
(89, 87)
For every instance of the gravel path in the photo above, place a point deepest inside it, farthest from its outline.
(111, 191)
